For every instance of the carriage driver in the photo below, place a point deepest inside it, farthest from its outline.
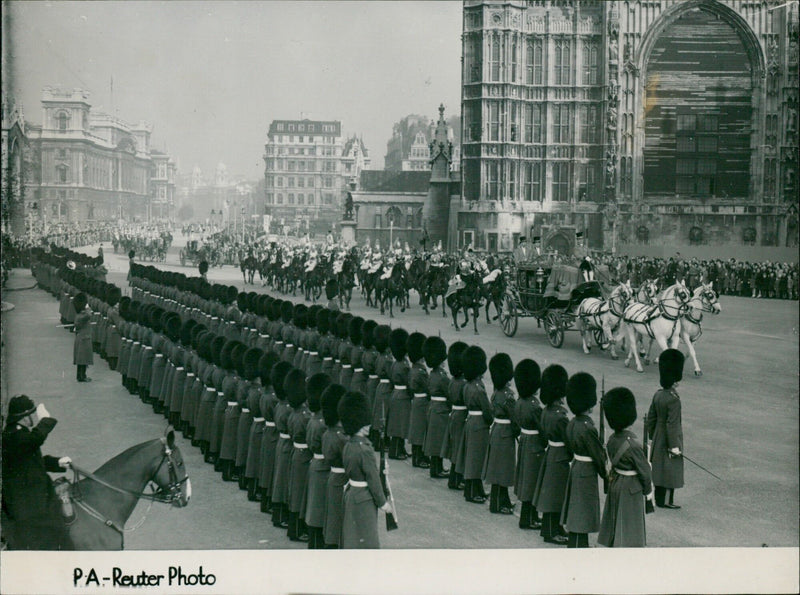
(32, 518)
(587, 269)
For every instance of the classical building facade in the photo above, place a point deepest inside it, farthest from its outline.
(15, 150)
(637, 122)
(162, 186)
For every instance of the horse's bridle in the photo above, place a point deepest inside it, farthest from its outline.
(706, 305)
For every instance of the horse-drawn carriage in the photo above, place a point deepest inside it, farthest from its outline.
(193, 253)
(550, 292)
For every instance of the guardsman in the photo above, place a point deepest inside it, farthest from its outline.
(501, 462)
(283, 448)
(383, 390)
(271, 408)
(418, 386)
(319, 469)
(345, 366)
(112, 341)
(399, 411)
(331, 293)
(299, 319)
(250, 410)
(313, 361)
(232, 353)
(552, 482)
(82, 346)
(333, 441)
(295, 386)
(476, 428)
(452, 446)
(357, 376)
(528, 414)
(326, 341)
(266, 401)
(580, 514)
(362, 357)
(369, 361)
(623, 522)
(288, 331)
(434, 351)
(666, 430)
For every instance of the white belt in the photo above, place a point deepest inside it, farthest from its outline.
(300, 349)
(220, 393)
(386, 380)
(337, 469)
(476, 412)
(529, 432)
(159, 355)
(290, 345)
(232, 403)
(137, 343)
(190, 374)
(300, 445)
(313, 353)
(179, 368)
(263, 336)
(346, 366)
(373, 376)
(357, 484)
(278, 342)
(258, 420)
(269, 424)
(500, 420)
(319, 455)
(357, 370)
(551, 443)
(399, 386)
(147, 347)
(420, 395)
(245, 410)
(627, 472)
(326, 359)
(582, 458)
(284, 436)
(438, 398)
(459, 407)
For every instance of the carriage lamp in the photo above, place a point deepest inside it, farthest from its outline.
(539, 278)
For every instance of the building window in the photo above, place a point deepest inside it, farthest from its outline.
(589, 124)
(533, 63)
(560, 182)
(514, 50)
(301, 199)
(493, 180)
(301, 182)
(512, 180)
(291, 198)
(270, 198)
(494, 120)
(291, 165)
(310, 183)
(467, 238)
(533, 182)
(770, 177)
(63, 121)
(588, 189)
(627, 175)
(280, 198)
(328, 182)
(561, 132)
(311, 199)
(515, 123)
(589, 63)
(473, 59)
(562, 62)
(279, 181)
(61, 173)
(494, 59)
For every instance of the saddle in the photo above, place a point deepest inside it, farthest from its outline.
(63, 488)
(641, 313)
(491, 277)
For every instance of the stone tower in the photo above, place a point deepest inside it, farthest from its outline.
(436, 211)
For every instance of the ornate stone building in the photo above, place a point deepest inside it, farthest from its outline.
(162, 186)
(639, 122)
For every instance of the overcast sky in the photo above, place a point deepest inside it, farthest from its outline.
(211, 76)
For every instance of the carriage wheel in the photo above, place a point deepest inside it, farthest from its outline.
(508, 315)
(554, 328)
(600, 338)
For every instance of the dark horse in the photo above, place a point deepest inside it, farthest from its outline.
(345, 279)
(493, 291)
(248, 266)
(104, 500)
(393, 288)
(467, 298)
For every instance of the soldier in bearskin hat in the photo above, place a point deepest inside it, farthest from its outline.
(418, 386)
(501, 461)
(342, 368)
(623, 522)
(383, 390)
(367, 380)
(266, 401)
(666, 430)
(333, 441)
(283, 449)
(357, 377)
(452, 445)
(313, 510)
(580, 514)
(250, 410)
(331, 292)
(82, 346)
(300, 323)
(313, 362)
(364, 493)
(295, 386)
(399, 411)
(325, 345)
(112, 341)
(552, 482)
(434, 351)
(273, 406)
(476, 428)
(530, 454)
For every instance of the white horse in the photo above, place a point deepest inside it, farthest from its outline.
(646, 293)
(704, 299)
(660, 322)
(605, 315)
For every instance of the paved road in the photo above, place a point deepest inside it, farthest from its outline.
(740, 420)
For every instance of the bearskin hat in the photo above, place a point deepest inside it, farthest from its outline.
(79, 302)
(205, 291)
(380, 337)
(581, 393)
(295, 387)
(225, 356)
(354, 412)
(173, 327)
(133, 311)
(527, 378)
(314, 388)
(414, 346)
(113, 295)
(330, 403)
(131, 254)
(241, 301)
(231, 293)
(323, 317)
(342, 323)
(203, 267)
(670, 367)
(252, 301)
(263, 304)
(311, 315)
(367, 331)
(619, 406)
(331, 289)
(299, 315)
(454, 362)
(265, 364)
(155, 318)
(186, 331)
(501, 369)
(473, 362)
(287, 311)
(354, 329)
(435, 351)
(277, 377)
(202, 343)
(250, 363)
(397, 343)
(273, 309)
(199, 328)
(217, 343)
(554, 383)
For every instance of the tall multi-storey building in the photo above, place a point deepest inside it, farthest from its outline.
(635, 121)
(355, 159)
(304, 181)
(162, 182)
(15, 151)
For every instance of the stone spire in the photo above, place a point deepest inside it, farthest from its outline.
(441, 150)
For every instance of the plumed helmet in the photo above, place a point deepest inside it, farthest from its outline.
(265, 364)
(80, 301)
(381, 337)
(527, 378)
(299, 315)
(250, 363)
(434, 350)
(217, 343)
(330, 403)
(670, 367)
(367, 333)
(354, 412)
(554, 383)
(186, 332)
(581, 392)
(331, 289)
(278, 375)
(314, 388)
(203, 267)
(397, 343)
(501, 369)
(619, 406)
(473, 361)
(414, 346)
(113, 295)
(19, 407)
(454, 362)
(323, 317)
(354, 329)
(295, 387)
(287, 311)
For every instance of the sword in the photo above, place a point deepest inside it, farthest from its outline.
(698, 465)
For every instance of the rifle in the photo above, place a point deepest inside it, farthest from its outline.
(648, 504)
(391, 519)
(603, 435)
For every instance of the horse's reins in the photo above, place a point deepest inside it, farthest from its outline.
(702, 308)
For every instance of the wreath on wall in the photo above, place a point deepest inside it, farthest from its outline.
(695, 235)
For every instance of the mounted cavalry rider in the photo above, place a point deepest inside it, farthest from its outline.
(311, 262)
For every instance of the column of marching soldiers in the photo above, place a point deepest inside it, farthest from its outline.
(272, 392)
